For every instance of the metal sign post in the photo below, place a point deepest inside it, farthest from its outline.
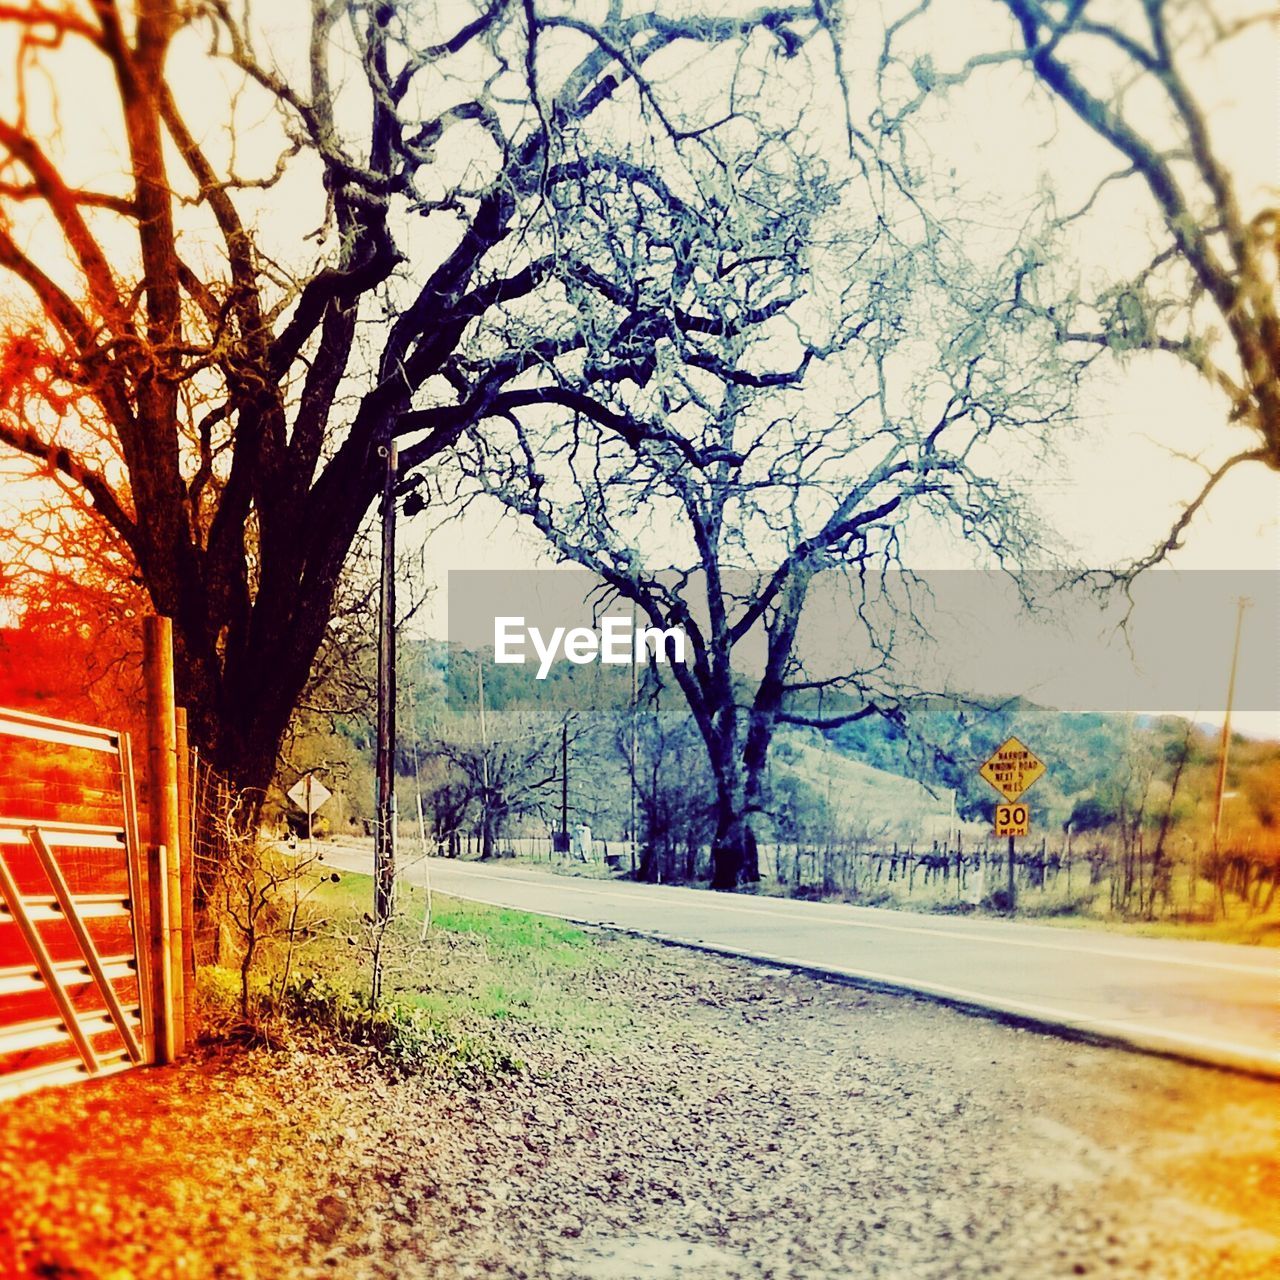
(310, 795)
(1011, 769)
(384, 854)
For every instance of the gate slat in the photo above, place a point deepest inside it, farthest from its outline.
(60, 732)
(87, 949)
(20, 979)
(43, 1031)
(13, 899)
(67, 1071)
(93, 906)
(78, 835)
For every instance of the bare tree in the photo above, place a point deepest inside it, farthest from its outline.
(86, 619)
(667, 766)
(213, 348)
(1132, 73)
(512, 772)
(831, 373)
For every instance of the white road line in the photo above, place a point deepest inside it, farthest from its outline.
(718, 904)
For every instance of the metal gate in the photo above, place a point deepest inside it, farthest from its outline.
(75, 989)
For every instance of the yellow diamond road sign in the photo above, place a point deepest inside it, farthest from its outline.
(1012, 769)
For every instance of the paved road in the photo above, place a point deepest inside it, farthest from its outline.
(1207, 1001)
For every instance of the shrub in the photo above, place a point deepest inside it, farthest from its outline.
(405, 1040)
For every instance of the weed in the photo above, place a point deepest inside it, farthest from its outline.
(403, 1039)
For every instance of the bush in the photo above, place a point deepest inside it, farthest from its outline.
(407, 1041)
(402, 1040)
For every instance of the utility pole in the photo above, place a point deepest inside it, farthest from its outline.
(1241, 605)
(484, 763)
(635, 842)
(564, 784)
(384, 855)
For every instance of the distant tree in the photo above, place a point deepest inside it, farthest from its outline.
(673, 788)
(1262, 786)
(312, 249)
(510, 771)
(83, 623)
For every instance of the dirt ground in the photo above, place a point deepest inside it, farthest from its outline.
(743, 1122)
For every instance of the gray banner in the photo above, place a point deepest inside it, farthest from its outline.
(1164, 644)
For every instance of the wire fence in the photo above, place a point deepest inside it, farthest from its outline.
(1103, 872)
(219, 826)
(1122, 873)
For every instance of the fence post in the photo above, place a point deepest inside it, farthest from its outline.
(164, 846)
(159, 960)
(186, 848)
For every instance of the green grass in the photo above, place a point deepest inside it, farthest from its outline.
(509, 932)
(478, 970)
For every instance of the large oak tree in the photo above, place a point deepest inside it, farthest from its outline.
(875, 384)
(246, 250)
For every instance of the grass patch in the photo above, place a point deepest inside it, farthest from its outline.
(453, 998)
(504, 930)
(496, 967)
(512, 933)
(406, 1039)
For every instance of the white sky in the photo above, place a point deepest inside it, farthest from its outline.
(1117, 484)
(1147, 428)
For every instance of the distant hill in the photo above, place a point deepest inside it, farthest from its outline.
(894, 775)
(863, 801)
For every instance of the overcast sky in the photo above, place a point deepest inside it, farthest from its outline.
(1118, 481)
(1147, 430)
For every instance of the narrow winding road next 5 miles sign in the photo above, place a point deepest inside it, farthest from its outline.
(1012, 769)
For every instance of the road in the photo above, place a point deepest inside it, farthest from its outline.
(1205, 1001)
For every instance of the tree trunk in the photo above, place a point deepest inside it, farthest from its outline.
(750, 856)
(755, 762)
(488, 836)
(728, 849)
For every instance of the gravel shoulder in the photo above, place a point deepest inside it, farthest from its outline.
(703, 1117)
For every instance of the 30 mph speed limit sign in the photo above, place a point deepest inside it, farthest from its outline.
(1012, 820)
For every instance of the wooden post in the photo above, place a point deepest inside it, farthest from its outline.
(139, 901)
(159, 961)
(164, 856)
(186, 862)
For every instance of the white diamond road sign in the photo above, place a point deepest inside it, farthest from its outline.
(309, 793)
